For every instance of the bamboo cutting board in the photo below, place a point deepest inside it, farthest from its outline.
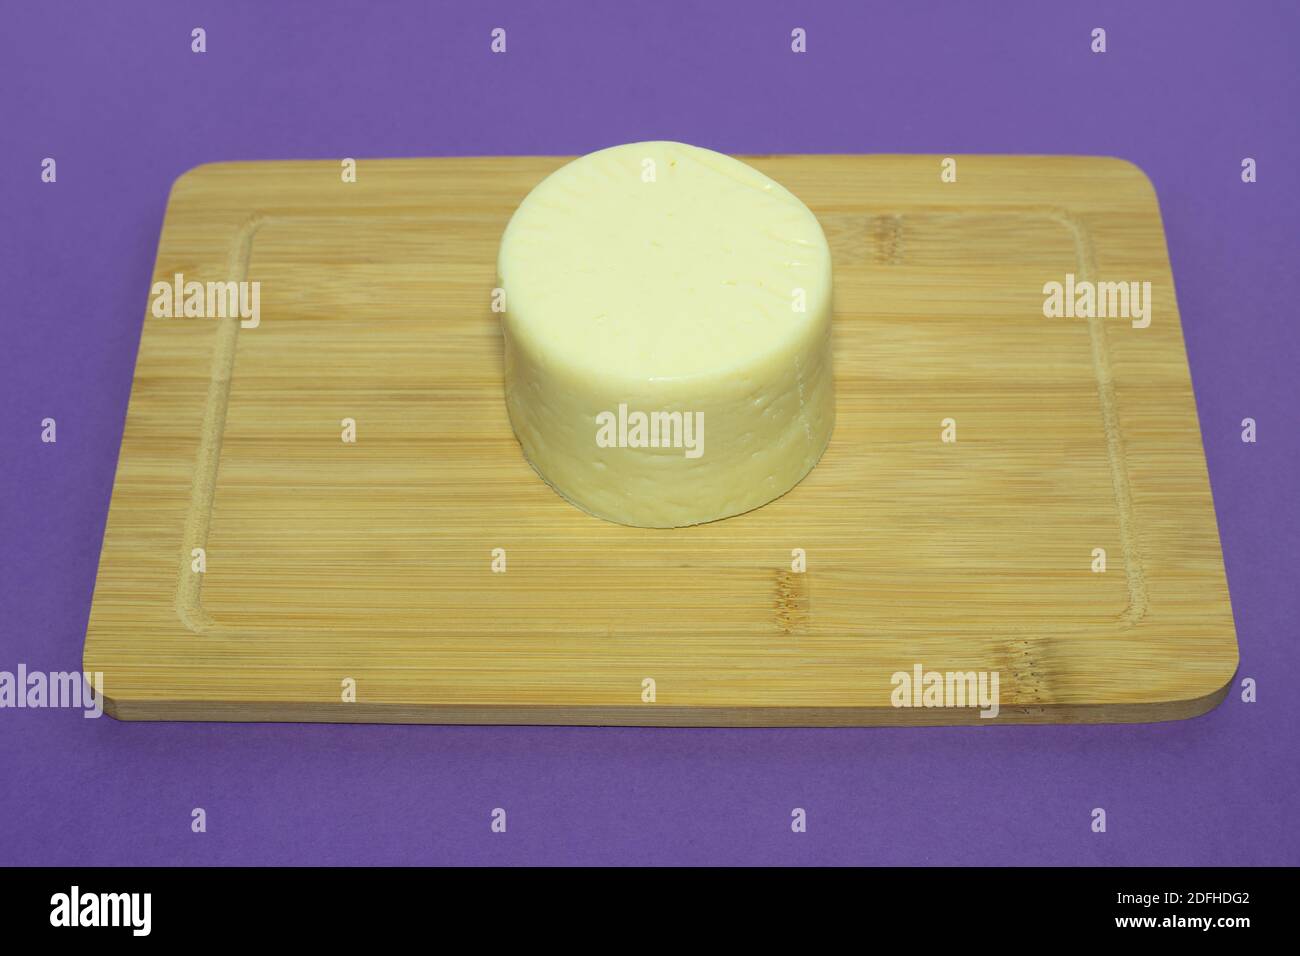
(338, 570)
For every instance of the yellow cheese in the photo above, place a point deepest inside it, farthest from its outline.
(667, 334)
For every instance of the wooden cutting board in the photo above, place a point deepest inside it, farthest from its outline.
(364, 569)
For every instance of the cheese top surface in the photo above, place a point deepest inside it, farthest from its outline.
(662, 261)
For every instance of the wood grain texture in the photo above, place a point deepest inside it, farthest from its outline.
(371, 561)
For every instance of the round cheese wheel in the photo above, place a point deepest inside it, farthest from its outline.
(667, 334)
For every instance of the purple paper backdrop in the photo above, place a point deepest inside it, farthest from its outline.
(113, 92)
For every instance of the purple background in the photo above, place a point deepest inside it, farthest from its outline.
(113, 92)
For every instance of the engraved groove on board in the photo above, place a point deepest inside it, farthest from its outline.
(792, 613)
(1087, 271)
(198, 517)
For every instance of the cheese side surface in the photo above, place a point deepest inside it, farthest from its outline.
(667, 334)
